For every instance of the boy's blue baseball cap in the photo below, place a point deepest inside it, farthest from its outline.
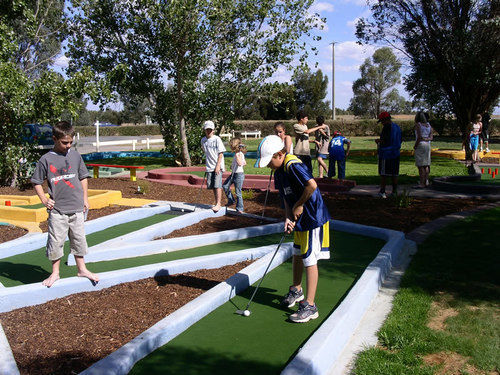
(267, 148)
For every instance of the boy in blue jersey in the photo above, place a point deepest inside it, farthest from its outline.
(306, 215)
(338, 154)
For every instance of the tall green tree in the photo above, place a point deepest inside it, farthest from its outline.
(375, 91)
(310, 92)
(30, 38)
(452, 48)
(193, 59)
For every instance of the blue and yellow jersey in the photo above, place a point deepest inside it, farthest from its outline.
(290, 180)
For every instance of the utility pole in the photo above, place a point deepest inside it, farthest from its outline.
(333, 80)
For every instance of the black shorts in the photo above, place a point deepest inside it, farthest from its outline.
(388, 167)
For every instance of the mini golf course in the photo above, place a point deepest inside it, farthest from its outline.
(263, 343)
(206, 336)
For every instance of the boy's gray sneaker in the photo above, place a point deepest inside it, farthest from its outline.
(294, 295)
(305, 313)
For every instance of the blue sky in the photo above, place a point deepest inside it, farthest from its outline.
(341, 17)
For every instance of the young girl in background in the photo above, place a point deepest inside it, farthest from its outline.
(237, 174)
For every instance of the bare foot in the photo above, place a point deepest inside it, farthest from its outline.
(48, 282)
(216, 208)
(89, 275)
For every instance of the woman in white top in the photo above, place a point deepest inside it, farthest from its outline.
(423, 138)
(237, 176)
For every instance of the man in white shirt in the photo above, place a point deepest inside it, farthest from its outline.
(302, 148)
(214, 152)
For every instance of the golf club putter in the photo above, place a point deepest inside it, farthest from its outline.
(247, 312)
(267, 193)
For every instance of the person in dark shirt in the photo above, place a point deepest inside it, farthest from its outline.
(389, 146)
(485, 135)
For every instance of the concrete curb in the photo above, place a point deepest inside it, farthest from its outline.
(176, 244)
(160, 229)
(30, 242)
(323, 349)
(8, 364)
(34, 294)
(122, 360)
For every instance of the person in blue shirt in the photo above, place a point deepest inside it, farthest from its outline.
(389, 148)
(338, 154)
(306, 215)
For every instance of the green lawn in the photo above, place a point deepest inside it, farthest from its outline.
(362, 169)
(455, 270)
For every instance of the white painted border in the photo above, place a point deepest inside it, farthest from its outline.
(34, 294)
(33, 241)
(122, 360)
(322, 350)
(175, 244)
(8, 364)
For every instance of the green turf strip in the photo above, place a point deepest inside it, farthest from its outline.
(34, 266)
(226, 343)
(30, 206)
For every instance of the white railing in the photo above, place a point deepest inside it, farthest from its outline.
(254, 133)
(148, 141)
(115, 143)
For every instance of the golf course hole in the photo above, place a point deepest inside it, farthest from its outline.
(97, 323)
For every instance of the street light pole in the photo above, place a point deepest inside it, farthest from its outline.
(333, 80)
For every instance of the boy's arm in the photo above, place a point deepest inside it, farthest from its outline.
(348, 147)
(219, 162)
(298, 207)
(47, 202)
(85, 187)
(289, 223)
(315, 128)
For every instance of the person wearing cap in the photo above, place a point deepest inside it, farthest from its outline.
(338, 154)
(389, 147)
(214, 152)
(302, 148)
(306, 215)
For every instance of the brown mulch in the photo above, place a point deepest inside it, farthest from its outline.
(67, 335)
(215, 224)
(50, 344)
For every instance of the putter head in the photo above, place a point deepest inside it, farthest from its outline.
(243, 312)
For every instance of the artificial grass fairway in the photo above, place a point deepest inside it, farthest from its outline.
(457, 268)
(34, 266)
(263, 343)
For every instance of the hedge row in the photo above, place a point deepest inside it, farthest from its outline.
(364, 127)
(357, 127)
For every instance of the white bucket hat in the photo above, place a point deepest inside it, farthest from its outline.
(208, 125)
(267, 148)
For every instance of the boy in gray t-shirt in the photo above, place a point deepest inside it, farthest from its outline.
(66, 177)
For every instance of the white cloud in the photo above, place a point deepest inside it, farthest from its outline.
(61, 61)
(352, 50)
(357, 2)
(321, 6)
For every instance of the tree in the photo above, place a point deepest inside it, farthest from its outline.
(310, 91)
(375, 90)
(193, 59)
(452, 48)
(30, 38)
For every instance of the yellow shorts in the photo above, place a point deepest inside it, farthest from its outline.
(313, 244)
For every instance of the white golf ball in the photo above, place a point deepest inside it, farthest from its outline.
(246, 313)
(182, 210)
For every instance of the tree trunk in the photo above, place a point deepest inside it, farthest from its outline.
(186, 159)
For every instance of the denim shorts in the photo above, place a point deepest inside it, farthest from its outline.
(214, 181)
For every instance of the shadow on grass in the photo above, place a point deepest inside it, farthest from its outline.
(24, 273)
(193, 362)
(461, 259)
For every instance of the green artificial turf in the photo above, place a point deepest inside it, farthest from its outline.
(455, 268)
(34, 266)
(226, 343)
